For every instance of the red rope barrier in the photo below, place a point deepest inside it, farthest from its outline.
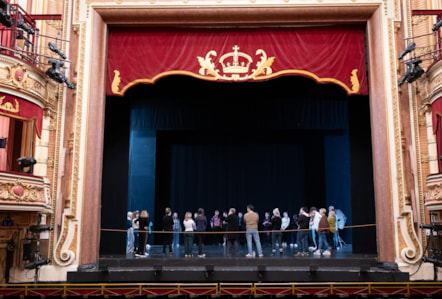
(225, 232)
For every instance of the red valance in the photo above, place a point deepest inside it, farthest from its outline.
(326, 54)
(22, 109)
(436, 109)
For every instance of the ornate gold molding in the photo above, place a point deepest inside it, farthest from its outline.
(24, 193)
(409, 246)
(29, 81)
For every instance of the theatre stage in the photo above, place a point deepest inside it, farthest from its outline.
(341, 266)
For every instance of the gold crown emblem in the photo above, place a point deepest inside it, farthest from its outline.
(235, 65)
(235, 62)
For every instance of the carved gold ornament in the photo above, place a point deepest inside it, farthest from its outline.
(235, 65)
(18, 76)
(9, 106)
(116, 83)
(20, 192)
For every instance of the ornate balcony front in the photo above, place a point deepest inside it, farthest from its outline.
(23, 192)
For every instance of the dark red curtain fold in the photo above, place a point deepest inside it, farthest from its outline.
(436, 109)
(326, 54)
(22, 109)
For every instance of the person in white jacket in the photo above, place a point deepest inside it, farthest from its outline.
(285, 223)
(315, 217)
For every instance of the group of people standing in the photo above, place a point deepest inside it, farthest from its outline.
(138, 226)
(314, 231)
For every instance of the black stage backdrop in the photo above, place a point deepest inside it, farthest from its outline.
(187, 143)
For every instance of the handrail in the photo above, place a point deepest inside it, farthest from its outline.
(236, 289)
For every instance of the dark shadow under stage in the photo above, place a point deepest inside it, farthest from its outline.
(341, 266)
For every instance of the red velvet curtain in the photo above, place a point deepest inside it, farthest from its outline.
(18, 108)
(436, 109)
(326, 54)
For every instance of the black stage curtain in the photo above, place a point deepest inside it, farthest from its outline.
(222, 145)
(361, 169)
(114, 179)
(219, 171)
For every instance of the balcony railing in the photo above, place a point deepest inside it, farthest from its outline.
(19, 35)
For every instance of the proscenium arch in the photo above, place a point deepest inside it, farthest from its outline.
(119, 15)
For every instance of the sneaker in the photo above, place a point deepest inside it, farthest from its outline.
(248, 255)
(260, 256)
(291, 245)
(317, 252)
(305, 254)
(201, 255)
(299, 254)
(327, 252)
(311, 248)
(140, 255)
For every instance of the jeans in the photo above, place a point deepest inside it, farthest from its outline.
(303, 241)
(176, 237)
(323, 246)
(253, 233)
(130, 241)
(276, 236)
(188, 243)
(314, 238)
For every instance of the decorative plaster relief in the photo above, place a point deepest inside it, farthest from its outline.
(21, 193)
(26, 81)
(407, 241)
(66, 248)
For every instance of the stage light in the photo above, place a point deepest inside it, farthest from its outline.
(5, 13)
(209, 270)
(37, 264)
(405, 76)
(437, 25)
(56, 74)
(436, 262)
(21, 24)
(435, 227)
(25, 162)
(414, 71)
(411, 46)
(54, 49)
(68, 83)
(40, 228)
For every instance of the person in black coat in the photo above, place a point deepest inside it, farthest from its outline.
(168, 227)
(303, 226)
(143, 222)
(232, 238)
